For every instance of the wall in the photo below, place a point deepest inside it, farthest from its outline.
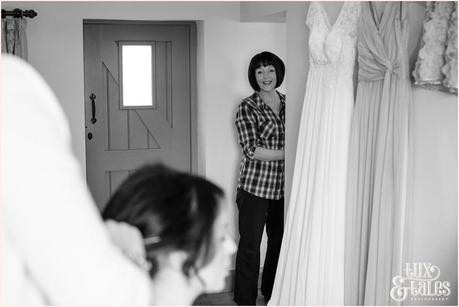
(433, 235)
(434, 219)
(271, 11)
(224, 49)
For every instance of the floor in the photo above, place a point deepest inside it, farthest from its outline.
(222, 299)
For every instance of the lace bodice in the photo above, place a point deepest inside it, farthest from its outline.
(333, 44)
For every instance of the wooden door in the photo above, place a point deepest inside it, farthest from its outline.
(123, 134)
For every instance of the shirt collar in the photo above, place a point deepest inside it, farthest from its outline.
(260, 103)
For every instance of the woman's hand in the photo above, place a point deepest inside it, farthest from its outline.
(129, 239)
(264, 154)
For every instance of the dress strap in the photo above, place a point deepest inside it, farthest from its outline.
(312, 14)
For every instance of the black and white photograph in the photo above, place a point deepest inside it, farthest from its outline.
(222, 153)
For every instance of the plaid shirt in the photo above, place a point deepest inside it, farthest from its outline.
(258, 126)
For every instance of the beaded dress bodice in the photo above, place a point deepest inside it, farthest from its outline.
(333, 45)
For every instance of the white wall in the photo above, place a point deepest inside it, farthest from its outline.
(434, 219)
(272, 11)
(225, 47)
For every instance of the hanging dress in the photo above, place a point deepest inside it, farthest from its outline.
(377, 178)
(311, 262)
(436, 65)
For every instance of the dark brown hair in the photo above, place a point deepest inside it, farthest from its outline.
(178, 208)
(265, 58)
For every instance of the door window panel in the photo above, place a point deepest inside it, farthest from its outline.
(136, 76)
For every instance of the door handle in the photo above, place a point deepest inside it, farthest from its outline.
(93, 108)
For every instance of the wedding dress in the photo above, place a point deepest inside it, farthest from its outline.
(311, 262)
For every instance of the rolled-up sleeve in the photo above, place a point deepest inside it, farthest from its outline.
(246, 130)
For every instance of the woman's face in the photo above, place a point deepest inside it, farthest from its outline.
(266, 78)
(214, 273)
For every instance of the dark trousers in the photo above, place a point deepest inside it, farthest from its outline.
(254, 212)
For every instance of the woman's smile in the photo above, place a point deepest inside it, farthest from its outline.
(266, 78)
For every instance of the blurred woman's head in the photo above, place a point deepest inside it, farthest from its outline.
(177, 213)
(266, 65)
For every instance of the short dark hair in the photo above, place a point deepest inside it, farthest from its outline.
(265, 58)
(178, 208)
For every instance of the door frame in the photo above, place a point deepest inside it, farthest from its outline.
(191, 27)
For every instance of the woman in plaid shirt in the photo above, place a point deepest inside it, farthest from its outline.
(260, 123)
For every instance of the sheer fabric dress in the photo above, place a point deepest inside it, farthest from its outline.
(311, 263)
(377, 181)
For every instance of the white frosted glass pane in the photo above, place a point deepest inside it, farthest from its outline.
(137, 74)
